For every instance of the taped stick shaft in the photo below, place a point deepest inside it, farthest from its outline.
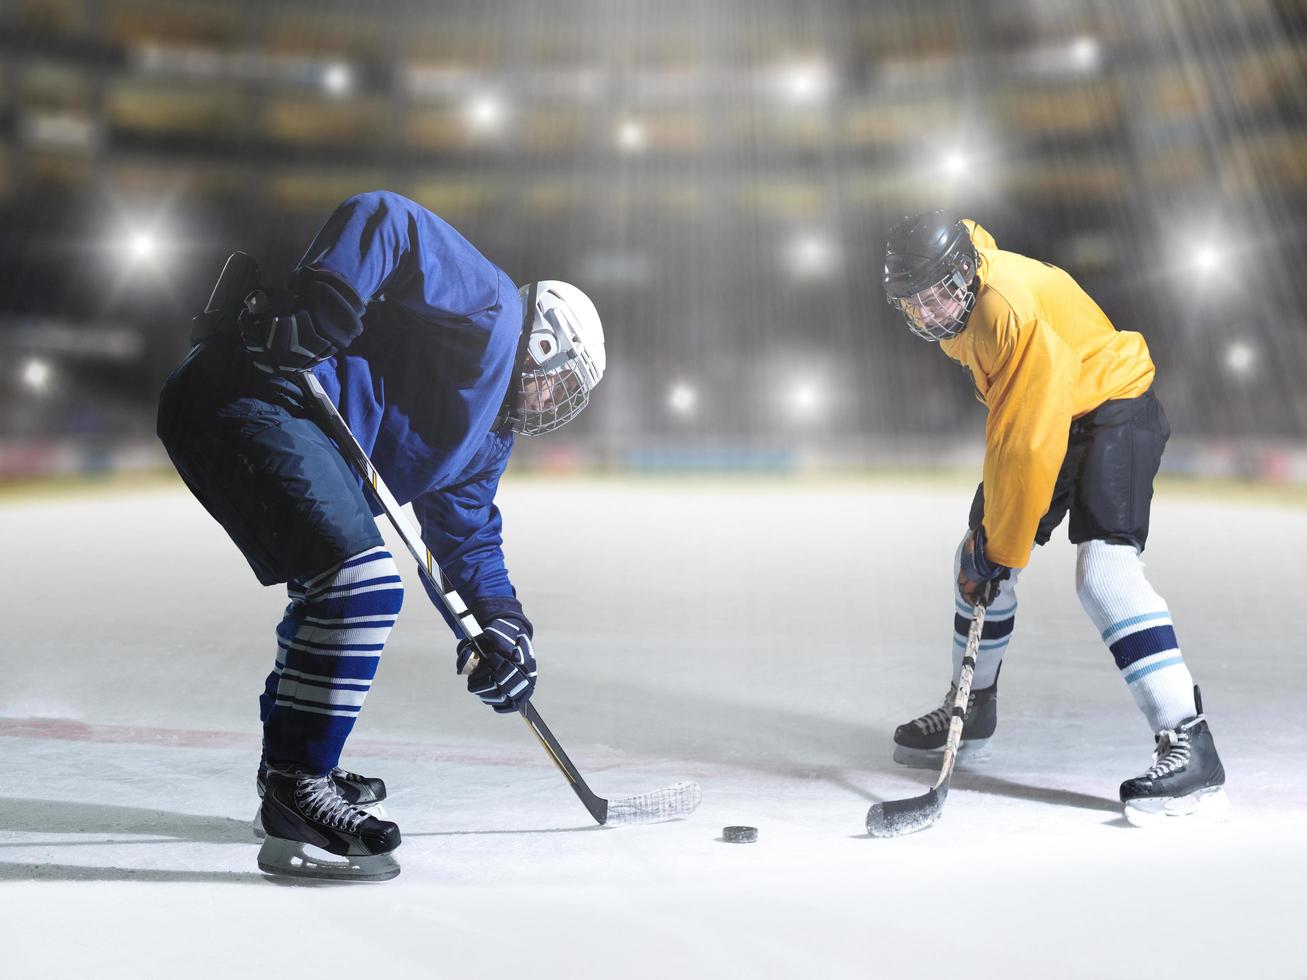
(894, 818)
(962, 695)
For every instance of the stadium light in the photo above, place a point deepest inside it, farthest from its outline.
(806, 400)
(36, 374)
(805, 83)
(631, 136)
(811, 255)
(485, 113)
(1240, 358)
(1207, 259)
(142, 246)
(682, 398)
(338, 79)
(955, 164)
(1085, 52)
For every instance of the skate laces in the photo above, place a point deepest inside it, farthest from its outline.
(1172, 751)
(937, 720)
(319, 799)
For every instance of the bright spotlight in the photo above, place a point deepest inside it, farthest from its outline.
(955, 163)
(682, 398)
(1207, 259)
(1240, 357)
(805, 83)
(36, 374)
(338, 79)
(1085, 53)
(811, 255)
(631, 136)
(142, 246)
(805, 399)
(485, 113)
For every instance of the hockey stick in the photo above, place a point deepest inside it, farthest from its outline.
(678, 800)
(894, 818)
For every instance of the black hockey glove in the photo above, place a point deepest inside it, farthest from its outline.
(293, 329)
(979, 578)
(505, 677)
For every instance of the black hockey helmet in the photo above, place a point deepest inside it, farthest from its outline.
(930, 272)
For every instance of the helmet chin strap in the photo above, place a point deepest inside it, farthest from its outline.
(509, 411)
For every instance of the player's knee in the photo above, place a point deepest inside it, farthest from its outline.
(375, 575)
(366, 584)
(1105, 569)
(395, 593)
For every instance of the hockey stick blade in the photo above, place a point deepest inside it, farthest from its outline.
(668, 803)
(894, 818)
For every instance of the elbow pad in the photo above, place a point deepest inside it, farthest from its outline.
(320, 316)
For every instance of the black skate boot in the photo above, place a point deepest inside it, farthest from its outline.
(920, 742)
(302, 812)
(1185, 779)
(365, 792)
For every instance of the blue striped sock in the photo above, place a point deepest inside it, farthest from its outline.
(328, 646)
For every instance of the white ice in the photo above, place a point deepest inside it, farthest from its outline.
(761, 637)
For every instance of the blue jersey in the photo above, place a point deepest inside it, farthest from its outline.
(423, 383)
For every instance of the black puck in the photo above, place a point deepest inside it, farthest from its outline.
(739, 835)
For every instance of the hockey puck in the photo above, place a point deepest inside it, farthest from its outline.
(739, 835)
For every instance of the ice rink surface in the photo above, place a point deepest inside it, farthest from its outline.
(762, 637)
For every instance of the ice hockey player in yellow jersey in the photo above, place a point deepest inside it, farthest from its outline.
(1074, 428)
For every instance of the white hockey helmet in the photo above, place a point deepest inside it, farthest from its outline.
(564, 356)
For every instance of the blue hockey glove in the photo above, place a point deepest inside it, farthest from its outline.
(505, 677)
(979, 578)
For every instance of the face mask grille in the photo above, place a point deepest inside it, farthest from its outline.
(940, 311)
(550, 399)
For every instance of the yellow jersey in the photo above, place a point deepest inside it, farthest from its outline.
(1041, 353)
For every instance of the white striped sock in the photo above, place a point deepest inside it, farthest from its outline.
(1135, 623)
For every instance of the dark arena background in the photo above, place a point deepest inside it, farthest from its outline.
(736, 559)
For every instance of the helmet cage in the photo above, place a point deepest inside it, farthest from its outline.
(556, 390)
(940, 310)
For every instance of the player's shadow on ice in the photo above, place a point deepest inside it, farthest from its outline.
(799, 744)
(99, 821)
(66, 817)
(509, 832)
(72, 872)
(996, 786)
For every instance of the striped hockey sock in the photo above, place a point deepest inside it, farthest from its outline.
(329, 643)
(1135, 623)
(1000, 618)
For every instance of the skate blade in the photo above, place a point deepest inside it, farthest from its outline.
(295, 859)
(1207, 804)
(973, 753)
(256, 825)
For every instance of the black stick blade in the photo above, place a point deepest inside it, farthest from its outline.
(894, 818)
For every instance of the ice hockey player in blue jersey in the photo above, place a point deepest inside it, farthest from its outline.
(436, 360)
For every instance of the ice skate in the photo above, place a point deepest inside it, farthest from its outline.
(314, 832)
(1186, 778)
(364, 792)
(920, 743)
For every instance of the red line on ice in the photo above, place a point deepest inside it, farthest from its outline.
(68, 730)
